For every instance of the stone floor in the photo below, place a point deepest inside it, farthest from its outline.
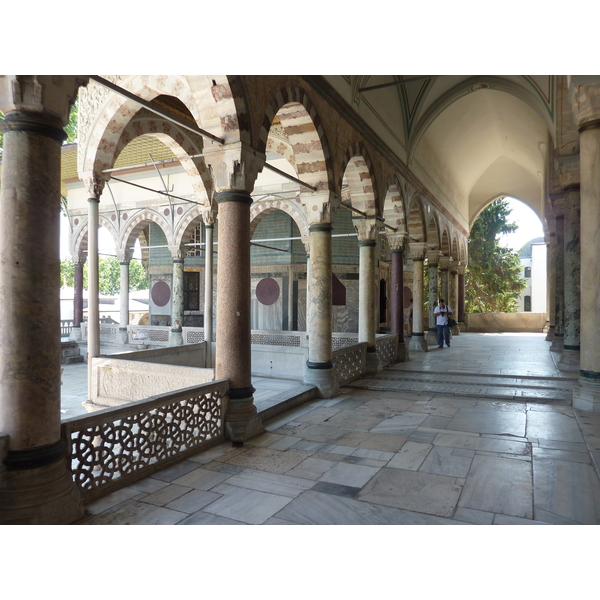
(487, 436)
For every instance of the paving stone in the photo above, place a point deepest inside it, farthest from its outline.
(311, 468)
(442, 461)
(247, 506)
(553, 426)
(477, 517)
(499, 485)
(272, 483)
(488, 421)
(508, 520)
(202, 479)
(266, 459)
(193, 501)
(411, 456)
(166, 494)
(348, 474)
(373, 441)
(137, 513)
(335, 489)
(422, 492)
(314, 508)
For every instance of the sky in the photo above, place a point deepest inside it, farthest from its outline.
(530, 226)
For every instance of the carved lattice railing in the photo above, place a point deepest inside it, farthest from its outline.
(350, 362)
(387, 349)
(117, 446)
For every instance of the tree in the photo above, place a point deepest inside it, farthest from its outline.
(493, 280)
(109, 275)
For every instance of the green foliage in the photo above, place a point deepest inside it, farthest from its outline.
(493, 280)
(71, 128)
(109, 275)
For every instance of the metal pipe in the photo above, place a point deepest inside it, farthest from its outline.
(156, 191)
(292, 178)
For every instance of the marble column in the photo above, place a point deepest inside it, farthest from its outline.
(586, 109)
(124, 298)
(208, 290)
(233, 359)
(460, 304)
(397, 294)
(94, 188)
(569, 177)
(454, 296)
(444, 263)
(559, 280)
(177, 301)
(417, 341)
(433, 257)
(36, 485)
(77, 299)
(319, 369)
(551, 278)
(367, 229)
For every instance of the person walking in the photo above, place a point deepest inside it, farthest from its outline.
(442, 312)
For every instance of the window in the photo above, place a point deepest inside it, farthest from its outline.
(191, 290)
(527, 272)
(195, 238)
(527, 307)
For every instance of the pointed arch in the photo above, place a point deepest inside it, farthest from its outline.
(358, 172)
(416, 220)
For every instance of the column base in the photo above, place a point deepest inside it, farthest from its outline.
(373, 363)
(403, 352)
(241, 419)
(43, 495)
(431, 337)
(176, 337)
(569, 360)
(462, 326)
(418, 343)
(586, 395)
(550, 334)
(123, 335)
(557, 343)
(324, 379)
(75, 334)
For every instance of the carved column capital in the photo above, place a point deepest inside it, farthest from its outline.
(445, 262)
(320, 207)
(433, 257)
(585, 101)
(397, 241)
(48, 96)
(94, 185)
(367, 228)
(568, 171)
(234, 167)
(418, 250)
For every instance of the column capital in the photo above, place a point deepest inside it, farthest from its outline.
(177, 253)
(124, 255)
(320, 207)
(557, 202)
(445, 262)
(234, 167)
(418, 250)
(49, 96)
(397, 241)
(568, 170)
(433, 257)
(461, 269)
(94, 184)
(366, 227)
(585, 101)
(209, 216)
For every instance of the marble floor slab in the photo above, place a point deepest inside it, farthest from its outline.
(553, 426)
(413, 490)
(499, 485)
(488, 421)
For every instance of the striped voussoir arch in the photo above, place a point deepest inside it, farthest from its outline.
(416, 221)
(433, 233)
(303, 127)
(180, 145)
(394, 210)
(259, 210)
(358, 173)
(139, 221)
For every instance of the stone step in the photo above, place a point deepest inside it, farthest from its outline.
(288, 399)
(69, 360)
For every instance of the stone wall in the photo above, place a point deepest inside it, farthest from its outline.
(523, 322)
(116, 381)
(187, 355)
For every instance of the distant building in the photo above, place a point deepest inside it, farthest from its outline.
(533, 262)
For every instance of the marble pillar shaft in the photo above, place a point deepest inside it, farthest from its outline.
(208, 293)
(124, 295)
(397, 294)
(93, 285)
(559, 269)
(572, 269)
(590, 251)
(454, 293)
(233, 349)
(417, 296)
(177, 306)
(433, 294)
(366, 292)
(29, 290)
(320, 296)
(77, 294)
(461, 298)
(550, 258)
(444, 274)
